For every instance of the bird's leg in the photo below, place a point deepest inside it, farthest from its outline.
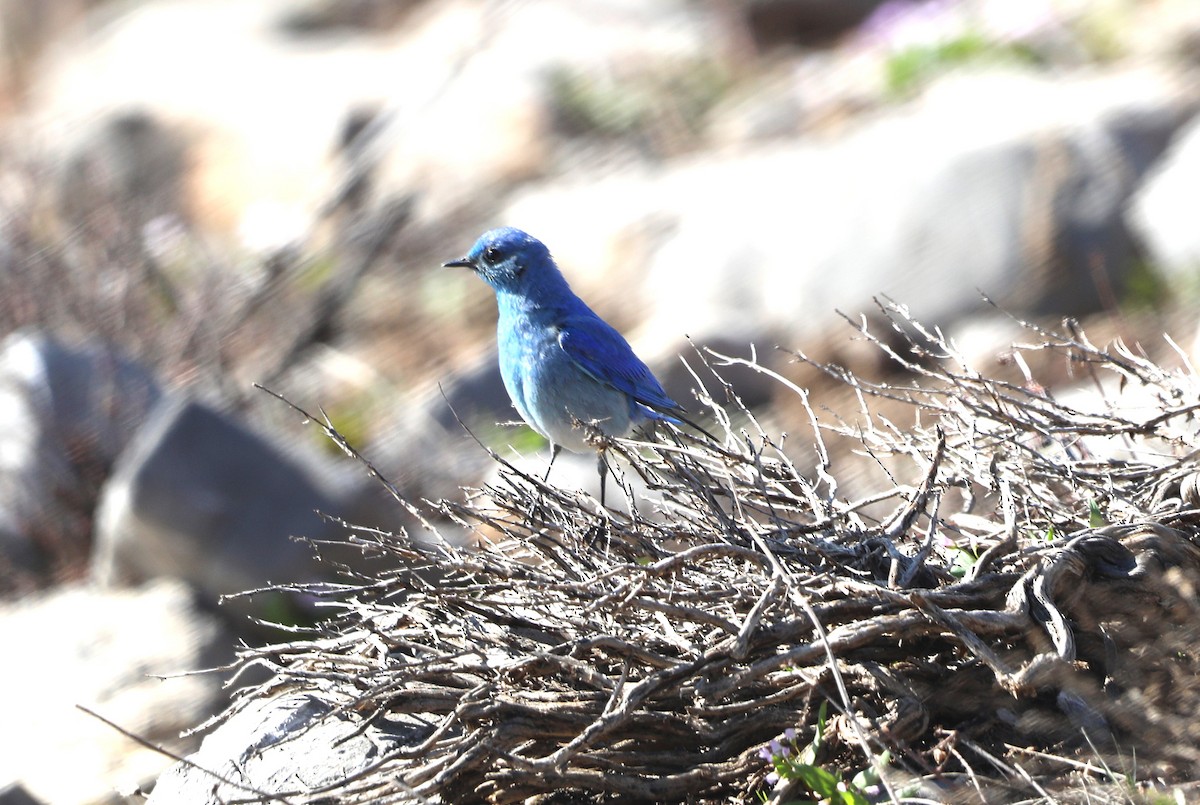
(536, 507)
(602, 524)
(602, 468)
(555, 449)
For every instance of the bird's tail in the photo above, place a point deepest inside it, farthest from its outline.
(675, 417)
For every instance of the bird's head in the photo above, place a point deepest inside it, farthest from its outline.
(511, 260)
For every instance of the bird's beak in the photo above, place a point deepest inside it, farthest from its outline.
(461, 262)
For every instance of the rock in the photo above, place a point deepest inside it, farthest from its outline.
(199, 497)
(103, 650)
(290, 743)
(15, 794)
(260, 121)
(425, 147)
(324, 17)
(1161, 210)
(604, 230)
(70, 410)
(817, 92)
(462, 91)
(772, 23)
(497, 75)
(21, 561)
(1004, 183)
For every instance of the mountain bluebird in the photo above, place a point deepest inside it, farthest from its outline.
(565, 368)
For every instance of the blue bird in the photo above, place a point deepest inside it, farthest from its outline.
(565, 367)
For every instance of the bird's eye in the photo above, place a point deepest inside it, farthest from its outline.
(491, 254)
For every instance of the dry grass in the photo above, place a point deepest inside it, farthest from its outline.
(1014, 621)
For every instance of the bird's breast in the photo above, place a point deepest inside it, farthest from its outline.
(524, 348)
(550, 391)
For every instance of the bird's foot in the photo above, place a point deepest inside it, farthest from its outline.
(598, 529)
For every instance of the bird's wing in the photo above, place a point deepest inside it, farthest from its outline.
(604, 354)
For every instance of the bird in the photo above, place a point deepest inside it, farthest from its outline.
(565, 368)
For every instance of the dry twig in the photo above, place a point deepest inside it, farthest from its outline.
(649, 656)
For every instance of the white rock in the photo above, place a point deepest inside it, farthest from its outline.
(1164, 210)
(1008, 183)
(102, 650)
(461, 85)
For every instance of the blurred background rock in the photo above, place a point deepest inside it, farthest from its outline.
(198, 195)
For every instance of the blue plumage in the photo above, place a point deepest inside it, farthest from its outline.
(561, 363)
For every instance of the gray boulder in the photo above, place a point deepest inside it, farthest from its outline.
(15, 794)
(69, 412)
(200, 497)
(291, 743)
(772, 23)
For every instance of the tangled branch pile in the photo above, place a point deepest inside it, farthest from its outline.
(1018, 616)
